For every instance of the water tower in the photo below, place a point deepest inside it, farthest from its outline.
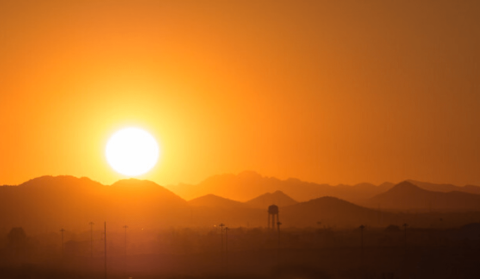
(272, 213)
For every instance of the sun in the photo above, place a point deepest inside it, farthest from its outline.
(132, 151)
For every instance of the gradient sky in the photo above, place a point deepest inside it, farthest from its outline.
(325, 91)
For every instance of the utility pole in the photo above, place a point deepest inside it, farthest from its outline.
(105, 239)
(91, 242)
(62, 230)
(361, 232)
(226, 248)
(221, 244)
(62, 260)
(278, 246)
(362, 227)
(125, 266)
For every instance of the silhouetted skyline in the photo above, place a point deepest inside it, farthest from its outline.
(48, 224)
(46, 202)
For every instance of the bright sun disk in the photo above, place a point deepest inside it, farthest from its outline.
(132, 151)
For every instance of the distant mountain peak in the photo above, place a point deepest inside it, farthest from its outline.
(59, 181)
(149, 189)
(330, 199)
(133, 182)
(278, 198)
(327, 202)
(405, 186)
(210, 196)
(211, 200)
(247, 185)
(407, 196)
(48, 178)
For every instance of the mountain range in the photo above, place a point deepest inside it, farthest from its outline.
(64, 201)
(248, 185)
(407, 196)
(50, 203)
(446, 187)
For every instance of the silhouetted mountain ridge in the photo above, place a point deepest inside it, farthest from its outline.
(330, 211)
(278, 198)
(407, 196)
(446, 187)
(60, 181)
(211, 200)
(248, 185)
(68, 201)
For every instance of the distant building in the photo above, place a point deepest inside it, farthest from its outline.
(272, 213)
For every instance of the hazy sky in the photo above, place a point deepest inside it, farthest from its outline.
(325, 91)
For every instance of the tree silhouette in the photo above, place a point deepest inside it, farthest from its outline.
(17, 238)
(17, 241)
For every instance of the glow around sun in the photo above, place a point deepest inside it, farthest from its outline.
(132, 151)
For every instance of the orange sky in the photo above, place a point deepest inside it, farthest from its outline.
(342, 92)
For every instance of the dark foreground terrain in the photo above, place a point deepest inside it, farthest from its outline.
(322, 252)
